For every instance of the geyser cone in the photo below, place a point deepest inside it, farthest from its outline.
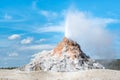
(70, 47)
(66, 56)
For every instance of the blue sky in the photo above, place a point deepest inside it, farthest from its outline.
(30, 26)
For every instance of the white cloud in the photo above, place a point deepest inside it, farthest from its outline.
(10, 18)
(28, 40)
(59, 28)
(90, 32)
(7, 17)
(37, 47)
(48, 14)
(44, 13)
(14, 36)
(14, 54)
(43, 40)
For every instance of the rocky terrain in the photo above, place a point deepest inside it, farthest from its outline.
(65, 57)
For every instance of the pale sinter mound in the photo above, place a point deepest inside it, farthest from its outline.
(66, 56)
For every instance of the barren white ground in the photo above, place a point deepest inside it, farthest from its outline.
(40, 75)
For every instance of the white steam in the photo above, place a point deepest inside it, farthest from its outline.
(91, 33)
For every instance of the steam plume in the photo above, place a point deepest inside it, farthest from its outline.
(90, 32)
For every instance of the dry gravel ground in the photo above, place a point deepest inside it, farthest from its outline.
(40, 75)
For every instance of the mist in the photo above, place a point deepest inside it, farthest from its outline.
(91, 33)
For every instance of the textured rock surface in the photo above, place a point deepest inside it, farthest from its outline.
(66, 56)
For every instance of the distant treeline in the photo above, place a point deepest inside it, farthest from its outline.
(8, 68)
(110, 64)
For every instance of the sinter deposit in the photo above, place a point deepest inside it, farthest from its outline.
(66, 56)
